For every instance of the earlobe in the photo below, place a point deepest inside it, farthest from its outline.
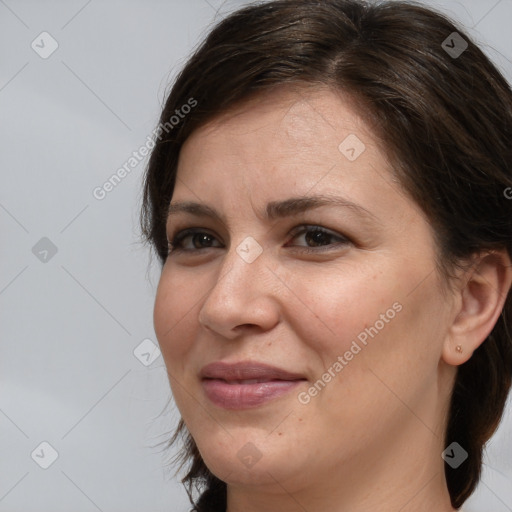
(484, 289)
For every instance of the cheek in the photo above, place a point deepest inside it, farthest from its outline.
(371, 320)
(331, 308)
(174, 315)
(175, 322)
(390, 339)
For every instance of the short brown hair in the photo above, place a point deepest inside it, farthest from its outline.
(446, 125)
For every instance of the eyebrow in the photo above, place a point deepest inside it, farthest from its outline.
(276, 209)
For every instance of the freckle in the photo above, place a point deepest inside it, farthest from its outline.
(280, 434)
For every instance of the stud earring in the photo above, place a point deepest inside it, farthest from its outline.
(458, 348)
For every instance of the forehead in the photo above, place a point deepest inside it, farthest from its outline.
(284, 133)
(296, 113)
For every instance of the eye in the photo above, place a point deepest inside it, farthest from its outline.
(317, 239)
(192, 240)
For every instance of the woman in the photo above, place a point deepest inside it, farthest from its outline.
(330, 208)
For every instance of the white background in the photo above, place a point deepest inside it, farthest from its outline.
(69, 325)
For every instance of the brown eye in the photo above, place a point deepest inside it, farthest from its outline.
(192, 240)
(316, 236)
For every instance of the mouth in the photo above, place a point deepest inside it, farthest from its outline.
(251, 381)
(247, 393)
(246, 384)
(246, 371)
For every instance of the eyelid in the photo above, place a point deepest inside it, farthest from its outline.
(178, 230)
(180, 227)
(181, 234)
(307, 228)
(304, 228)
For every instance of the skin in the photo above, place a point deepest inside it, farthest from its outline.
(372, 438)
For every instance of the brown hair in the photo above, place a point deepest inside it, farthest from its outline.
(446, 125)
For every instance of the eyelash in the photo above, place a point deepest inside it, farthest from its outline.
(173, 245)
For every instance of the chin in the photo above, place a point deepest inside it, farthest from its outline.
(251, 457)
(228, 468)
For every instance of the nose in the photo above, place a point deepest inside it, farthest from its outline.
(242, 296)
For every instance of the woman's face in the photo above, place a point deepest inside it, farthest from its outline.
(352, 304)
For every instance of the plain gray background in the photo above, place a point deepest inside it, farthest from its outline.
(72, 319)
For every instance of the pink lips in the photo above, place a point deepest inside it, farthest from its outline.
(246, 384)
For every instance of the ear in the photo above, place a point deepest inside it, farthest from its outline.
(479, 303)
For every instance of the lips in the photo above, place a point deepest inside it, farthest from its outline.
(247, 372)
(247, 384)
